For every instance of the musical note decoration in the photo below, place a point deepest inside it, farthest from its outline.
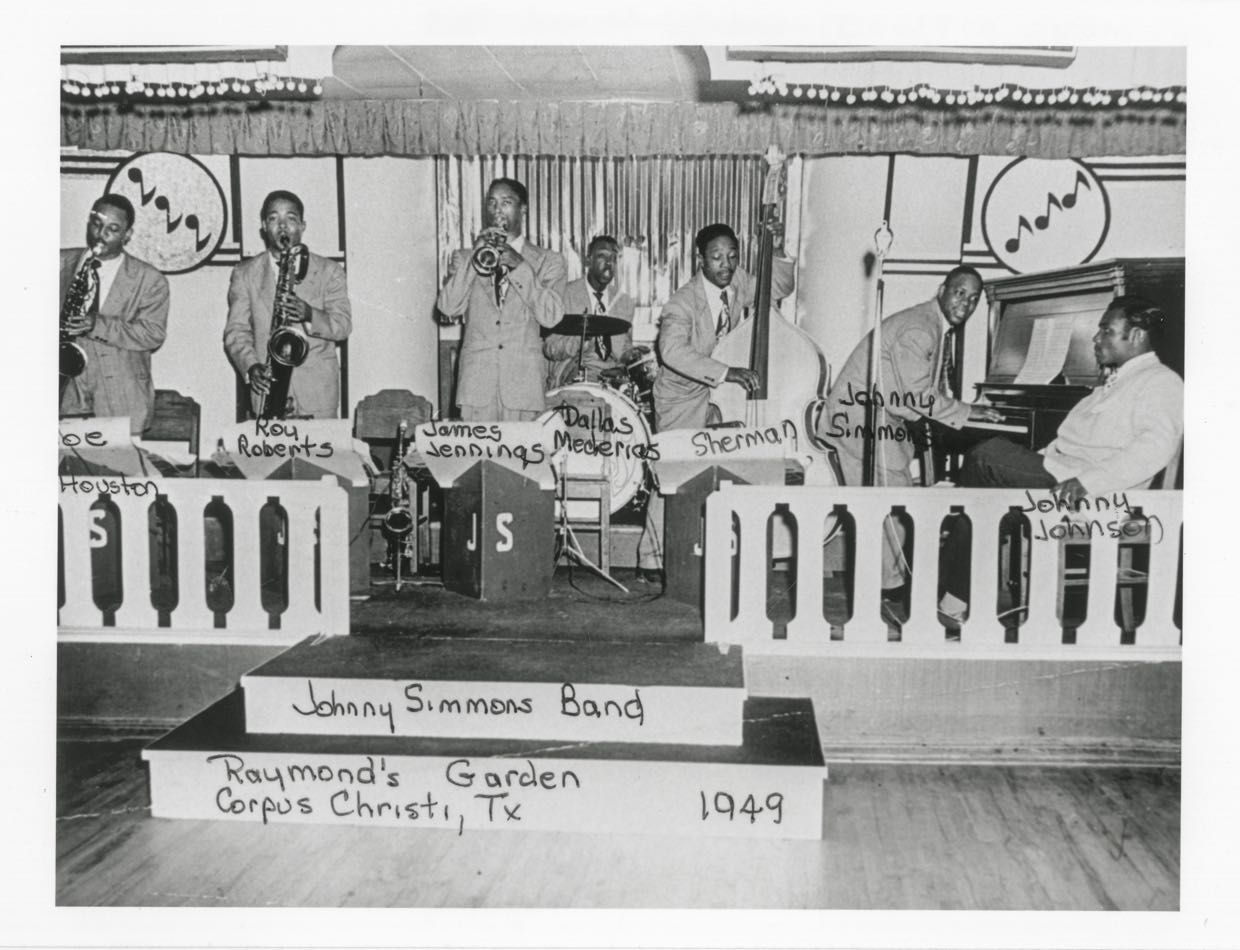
(1040, 214)
(1042, 221)
(180, 213)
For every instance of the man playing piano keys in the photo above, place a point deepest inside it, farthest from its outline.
(915, 349)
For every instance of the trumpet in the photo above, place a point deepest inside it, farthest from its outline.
(287, 348)
(81, 294)
(486, 258)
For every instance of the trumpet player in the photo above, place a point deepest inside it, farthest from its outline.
(318, 309)
(117, 318)
(504, 289)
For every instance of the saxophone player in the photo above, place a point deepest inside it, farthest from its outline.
(318, 308)
(117, 324)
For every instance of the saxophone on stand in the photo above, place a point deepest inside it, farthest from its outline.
(78, 300)
(398, 522)
(287, 346)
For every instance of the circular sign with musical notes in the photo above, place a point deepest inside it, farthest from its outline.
(1041, 214)
(179, 210)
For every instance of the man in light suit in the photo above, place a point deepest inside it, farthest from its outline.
(126, 321)
(326, 317)
(502, 371)
(913, 351)
(695, 317)
(711, 304)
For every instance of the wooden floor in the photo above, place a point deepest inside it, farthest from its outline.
(894, 836)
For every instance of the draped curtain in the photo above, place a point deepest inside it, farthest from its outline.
(620, 129)
(652, 206)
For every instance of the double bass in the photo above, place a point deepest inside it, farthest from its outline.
(767, 338)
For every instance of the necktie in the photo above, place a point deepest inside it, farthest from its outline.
(947, 365)
(725, 318)
(602, 345)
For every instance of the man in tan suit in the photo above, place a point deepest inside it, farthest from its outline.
(708, 306)
(913, 346)
(711, 304)
(122, 326)
(502, 370)
(326, 317)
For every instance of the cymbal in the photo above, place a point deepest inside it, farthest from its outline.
(594, 324)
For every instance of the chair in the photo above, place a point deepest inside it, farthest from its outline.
(594, 491)
(175, 418)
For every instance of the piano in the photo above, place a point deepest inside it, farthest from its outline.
(1074, 299)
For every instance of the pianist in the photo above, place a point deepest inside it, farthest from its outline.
(915, 349)
(1118, 437)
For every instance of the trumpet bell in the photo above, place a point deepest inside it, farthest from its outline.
(72, 359)
(486, 260)
(288, 347)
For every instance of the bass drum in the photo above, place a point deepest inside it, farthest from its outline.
(609, 436)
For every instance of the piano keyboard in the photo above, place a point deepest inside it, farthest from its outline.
(999, 427)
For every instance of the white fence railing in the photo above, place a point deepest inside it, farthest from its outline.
(314, 538)
(1041, 629)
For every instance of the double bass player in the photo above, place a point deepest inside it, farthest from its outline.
(691, 324)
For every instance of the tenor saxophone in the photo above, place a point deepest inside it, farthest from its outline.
(81, 294)
(287, 347)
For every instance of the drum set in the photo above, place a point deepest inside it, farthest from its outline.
(611, 421)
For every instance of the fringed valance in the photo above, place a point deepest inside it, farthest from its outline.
(418, 128)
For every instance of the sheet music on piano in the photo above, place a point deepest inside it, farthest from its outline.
(1048, 348)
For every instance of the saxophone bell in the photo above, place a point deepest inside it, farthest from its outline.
(78, 299)
(398, 520)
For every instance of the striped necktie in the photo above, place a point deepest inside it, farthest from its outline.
(725, 318)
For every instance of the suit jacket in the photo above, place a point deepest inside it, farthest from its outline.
(132, 323)
(912, 341)
(501, 352)
(687, 337)
(562, 349)
(315, 386)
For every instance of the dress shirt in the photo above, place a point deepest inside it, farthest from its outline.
(1123, 434)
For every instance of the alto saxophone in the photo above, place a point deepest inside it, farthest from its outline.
(81, 294)
(287, 347)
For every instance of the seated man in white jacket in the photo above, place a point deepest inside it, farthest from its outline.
(1118, 437)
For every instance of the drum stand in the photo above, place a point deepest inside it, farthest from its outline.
(572, 547)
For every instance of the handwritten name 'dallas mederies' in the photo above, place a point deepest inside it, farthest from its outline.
(845, 426)
(281, 440)
(572, 704)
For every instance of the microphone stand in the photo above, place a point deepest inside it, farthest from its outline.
(869, 458)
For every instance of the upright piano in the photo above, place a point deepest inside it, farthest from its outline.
(1070, 302)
